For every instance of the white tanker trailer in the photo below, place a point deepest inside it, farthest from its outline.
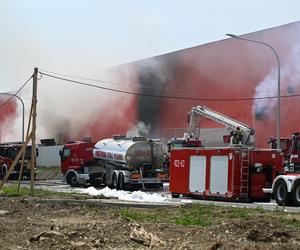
(118, 162)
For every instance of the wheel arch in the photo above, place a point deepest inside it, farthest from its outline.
(2, 167)
(72, 171)
(295, 180)
(288, 179)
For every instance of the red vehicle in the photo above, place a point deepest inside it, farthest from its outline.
(230, 173)
(237, 171)
(8, 153)
(286, 187)
(118, 162)
(290, 147)
(74, 157)
(4, 165)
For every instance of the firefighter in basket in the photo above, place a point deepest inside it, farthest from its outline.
(237, 136)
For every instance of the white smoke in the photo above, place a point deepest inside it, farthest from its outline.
(140, 129)
(289, 81)
(69, 108)
(67, 45)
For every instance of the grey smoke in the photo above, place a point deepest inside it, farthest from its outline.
(290, 80)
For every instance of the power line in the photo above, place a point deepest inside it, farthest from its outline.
(166, 96)
(105, 81)
(14, 95)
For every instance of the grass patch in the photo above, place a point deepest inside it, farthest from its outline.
(194, 215)
(293, 222)
(204, 215)
(289, 219)
(138, 216)
(11, 191)
(48, 173)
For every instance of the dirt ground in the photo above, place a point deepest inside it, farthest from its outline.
(27, 224)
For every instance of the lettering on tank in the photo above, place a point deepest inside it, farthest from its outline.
(109, 155)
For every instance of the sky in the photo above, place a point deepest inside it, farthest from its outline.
(85, 37)
(82, 37)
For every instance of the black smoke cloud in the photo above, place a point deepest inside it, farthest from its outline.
(154, 75)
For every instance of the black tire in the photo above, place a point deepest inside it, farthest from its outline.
(175, 195)
(121, 181)
(72, 179)
(104, 180)
(296, 193)
(281, 194)
(114, 183)
(3, 171)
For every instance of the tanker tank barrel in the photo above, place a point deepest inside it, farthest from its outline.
(132, 153)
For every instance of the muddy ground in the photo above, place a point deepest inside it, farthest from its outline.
(28, 224)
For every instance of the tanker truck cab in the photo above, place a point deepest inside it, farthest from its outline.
(75, 157)
(286, 186)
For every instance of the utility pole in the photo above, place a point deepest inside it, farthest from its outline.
(30, 136)
(33, 130)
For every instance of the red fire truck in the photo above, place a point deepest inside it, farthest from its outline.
(4, 165)
(8, 152)
(238, 172)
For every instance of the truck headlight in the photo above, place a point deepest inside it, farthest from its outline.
(291, 167)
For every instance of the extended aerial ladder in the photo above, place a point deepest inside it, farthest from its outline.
(201, 111)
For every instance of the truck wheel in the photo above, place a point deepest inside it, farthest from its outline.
(296, 194)
(114, 181)
(72, 180)
(121, 181)
(281, 194)
(103, 179)
(2, 173)
(175, 195)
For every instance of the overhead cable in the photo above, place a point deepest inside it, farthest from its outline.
(165, 96)
(14, 95)
(105, 81)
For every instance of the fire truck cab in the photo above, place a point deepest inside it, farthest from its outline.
(8, 152)
(286, 186)
(4, 165)
(290, 147)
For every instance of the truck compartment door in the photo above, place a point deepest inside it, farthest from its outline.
(219, 174)
(197, 174)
